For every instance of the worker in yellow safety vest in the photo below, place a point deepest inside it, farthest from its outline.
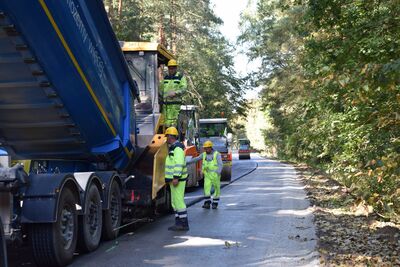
(176, 175)
(212, 167)
(172, 89)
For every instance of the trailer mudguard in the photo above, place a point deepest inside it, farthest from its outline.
(103, 181)
(85, 179)
(41, 197)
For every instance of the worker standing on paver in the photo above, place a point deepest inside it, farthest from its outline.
(211, 166)
(173, 88)
(176, 175)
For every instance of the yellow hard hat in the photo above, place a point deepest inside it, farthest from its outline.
(207, 143)
(172, 63)
(171, 131)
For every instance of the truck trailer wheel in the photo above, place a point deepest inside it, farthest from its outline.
(3, 248)
(112, 216)
(168, 202)
(165, 207)
(54, 244)
(91, 223)
(226, 174)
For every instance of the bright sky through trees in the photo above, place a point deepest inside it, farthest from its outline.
(229, 11)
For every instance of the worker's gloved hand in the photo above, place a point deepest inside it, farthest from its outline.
(175, 182)
(171, 94)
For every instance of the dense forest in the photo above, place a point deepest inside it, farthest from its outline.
(189, 29)
(330, 77)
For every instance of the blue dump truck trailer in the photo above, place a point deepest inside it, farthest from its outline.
(67, 107)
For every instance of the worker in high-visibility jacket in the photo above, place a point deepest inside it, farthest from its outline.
(212, 167)
(176, 175)
(172, 89)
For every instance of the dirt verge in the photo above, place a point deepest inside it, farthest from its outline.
(349, 233)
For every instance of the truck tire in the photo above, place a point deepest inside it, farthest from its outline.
(91, 223)
(226, 174)
(201, 182)
(3, 248)
(168, 202)
(112, 216)
(54, 244)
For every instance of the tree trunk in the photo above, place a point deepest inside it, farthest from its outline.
(161, 32)
(109, 5)
(173, 26)
(119, 8)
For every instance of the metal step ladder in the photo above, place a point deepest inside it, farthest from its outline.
(146, 122)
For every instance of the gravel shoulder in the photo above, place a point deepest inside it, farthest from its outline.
(348, 232)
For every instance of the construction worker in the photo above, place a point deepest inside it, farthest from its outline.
(172, 88)
(176, 175)
(212, 167)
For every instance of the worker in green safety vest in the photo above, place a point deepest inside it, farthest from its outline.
(176, 175)
(212, 167)
(172, 89)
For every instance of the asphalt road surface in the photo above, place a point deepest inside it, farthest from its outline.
(240, 168)
(263, 220)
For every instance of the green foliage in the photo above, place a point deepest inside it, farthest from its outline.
(331, 74)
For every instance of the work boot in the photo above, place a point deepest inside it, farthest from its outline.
(176, 223)
(182, 225)
(206, 204)
(175, 228)
(214, 206)
(185, 224)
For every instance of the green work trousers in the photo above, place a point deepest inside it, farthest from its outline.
(171, 113)
(178, 196)
(212, 179)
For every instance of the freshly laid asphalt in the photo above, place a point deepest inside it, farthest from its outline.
(263, 219)
(23, 256)
(240, 168)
